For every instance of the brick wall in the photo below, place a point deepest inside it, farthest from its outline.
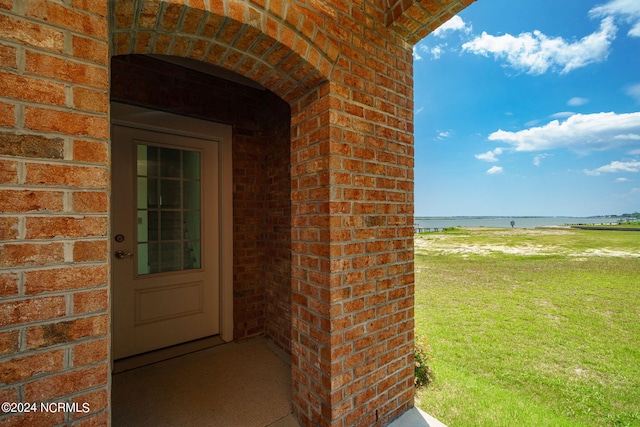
(54, 203)
(260, 124)
(344, 68)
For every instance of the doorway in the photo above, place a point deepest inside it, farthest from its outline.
(170, 234)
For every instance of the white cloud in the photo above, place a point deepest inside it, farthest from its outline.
(538, 159)
(622, 180)
(634, 92)
(489, 156)
(598, 131)
(454, 24)
(632, 166)
(435, 52)
(628, 136)
(495, 170)
(416, 54)
(562, 114)
(444, 135)
(577, 101)
(627, 11)
(535, 53)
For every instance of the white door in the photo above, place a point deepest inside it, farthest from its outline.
(165, 239)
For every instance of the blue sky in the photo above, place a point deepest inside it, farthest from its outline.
(530, 108)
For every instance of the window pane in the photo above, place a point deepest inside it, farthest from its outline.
(170, 162)
(170, 225)
(191, 195)
(191, 164)
(170, 194)
(171, 257)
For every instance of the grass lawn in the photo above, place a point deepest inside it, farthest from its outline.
(531, 327)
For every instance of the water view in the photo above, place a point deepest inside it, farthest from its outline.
(505, 222)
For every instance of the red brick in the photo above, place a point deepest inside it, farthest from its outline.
(9, 342)
(94, 250)
(96, 400)
(67, 175)
(8, 284)
(8, 228)
(24, 368)
(31, 34)
(32, 89)
(28, 419)
(49, 227)
(7, 114)
(57, 386)
(93, 6)
(17, 254)
(67, 18)
(87, 353)
(91, 50)
(30, 201)
(31, 310)
(91, 301)
(65, 278)
(8, 57)
(90, 151)
(90, 100)
(66, 122)
(66, 331)
(27, 145)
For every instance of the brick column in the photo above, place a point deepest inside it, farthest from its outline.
(54, 202)
(352, 258)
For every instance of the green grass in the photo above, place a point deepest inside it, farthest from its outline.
(547, 339)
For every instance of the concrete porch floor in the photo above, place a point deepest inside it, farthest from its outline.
(245, 384)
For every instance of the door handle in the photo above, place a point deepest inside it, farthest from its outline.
(123, 254)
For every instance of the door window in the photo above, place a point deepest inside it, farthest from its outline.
(168, 209)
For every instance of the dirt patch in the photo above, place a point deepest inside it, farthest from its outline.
(454, 244)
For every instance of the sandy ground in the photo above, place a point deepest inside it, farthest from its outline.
(454, 244)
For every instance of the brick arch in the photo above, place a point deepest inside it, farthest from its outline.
(271, 47)
(413, 20)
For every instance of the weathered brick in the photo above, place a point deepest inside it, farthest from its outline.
(66, 331)
(65, 383)
(24, 368)
(30, 254)
(66, 175)
(31, 33)
(30, 201)
(8, 172)
(31, 310)
(57, 279)
(35, 146)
